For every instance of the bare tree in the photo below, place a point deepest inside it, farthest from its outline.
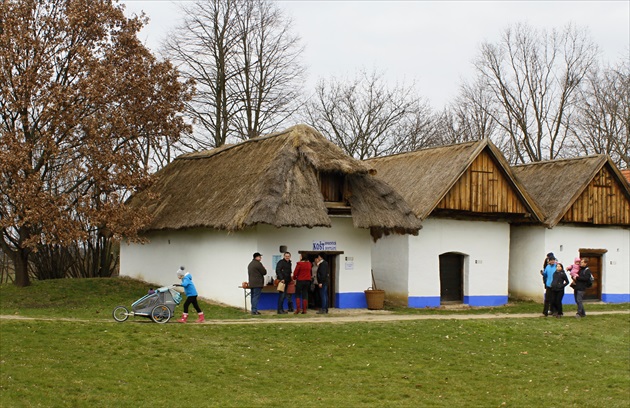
(468, 116)
(534, 79)
(246, 66)
(368, 118)
(604, 122)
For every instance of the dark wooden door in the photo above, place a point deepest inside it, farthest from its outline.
(332, 258)
(451, 278)
(595, 265)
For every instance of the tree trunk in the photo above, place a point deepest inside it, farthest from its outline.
(21, 268)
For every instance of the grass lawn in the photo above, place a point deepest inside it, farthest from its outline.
(520, 362)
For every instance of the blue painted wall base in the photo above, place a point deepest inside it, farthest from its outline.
(434, 301)
(423, 301)
(485, 300)
(352, 300)
(616, 297)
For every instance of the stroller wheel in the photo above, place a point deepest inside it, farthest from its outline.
(161, 314)
(120, 314)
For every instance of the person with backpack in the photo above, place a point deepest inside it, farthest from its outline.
(583, 281)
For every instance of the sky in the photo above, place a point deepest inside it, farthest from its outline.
(431, 44)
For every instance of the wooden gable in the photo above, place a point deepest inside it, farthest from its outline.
(483, 188)
(602, 202)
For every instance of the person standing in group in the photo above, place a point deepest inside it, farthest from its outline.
(322, 279)
(582, 282)
(558, 283)
(302, 275)
(314, 289)
(283, 274)
(547, 274)
(574, 270)
(256, 272)
(191, 295)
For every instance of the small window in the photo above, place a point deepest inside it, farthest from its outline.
(332, 186)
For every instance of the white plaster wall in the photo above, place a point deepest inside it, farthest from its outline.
(486, 245)
(218, 260)
(527, 254)
(530, 244)
(566, 241)
(390, 262)
(354, 242)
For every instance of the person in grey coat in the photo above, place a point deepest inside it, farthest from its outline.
(256, 272)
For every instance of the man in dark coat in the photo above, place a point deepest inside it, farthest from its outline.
(322, 279)
(256, 272)
(582, 282)
(283, 274)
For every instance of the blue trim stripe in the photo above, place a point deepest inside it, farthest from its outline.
(616, 297)
(423, 301)
(352, 300)
(434, 301)
(486, 300)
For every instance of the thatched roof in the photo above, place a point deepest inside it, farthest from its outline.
(269, 180)
(555, 185)
(424, 177)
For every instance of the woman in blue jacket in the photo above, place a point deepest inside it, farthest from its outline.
(191, 295)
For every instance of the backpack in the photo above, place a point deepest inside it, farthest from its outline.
(591, 279)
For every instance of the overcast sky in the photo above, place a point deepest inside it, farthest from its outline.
(431, 43)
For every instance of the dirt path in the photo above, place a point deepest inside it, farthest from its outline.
(335, 317)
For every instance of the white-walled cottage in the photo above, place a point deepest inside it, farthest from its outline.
(586, 209)
(211, 210)
(467, 198)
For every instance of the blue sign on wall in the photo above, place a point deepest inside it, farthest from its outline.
(324, 245)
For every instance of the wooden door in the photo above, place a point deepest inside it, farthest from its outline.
(332, 258)
(451, 278)
(595, 265)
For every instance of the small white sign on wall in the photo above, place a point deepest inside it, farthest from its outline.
(349, 266)
(324, 245)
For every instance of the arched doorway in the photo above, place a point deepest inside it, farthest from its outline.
(451, 278)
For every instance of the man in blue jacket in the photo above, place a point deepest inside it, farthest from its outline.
(550, 269)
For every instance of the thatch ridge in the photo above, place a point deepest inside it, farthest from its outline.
(424, 177)
(556, 184)
(268, 180)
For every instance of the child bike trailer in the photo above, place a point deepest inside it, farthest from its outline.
(158, 306)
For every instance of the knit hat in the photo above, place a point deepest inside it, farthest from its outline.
(180, 271)
(577, 260)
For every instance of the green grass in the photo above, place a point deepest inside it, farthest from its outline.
(520, 362)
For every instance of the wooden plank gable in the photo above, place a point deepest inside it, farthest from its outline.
(602, 202)
(483, 188)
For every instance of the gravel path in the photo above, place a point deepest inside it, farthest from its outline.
(335, 317)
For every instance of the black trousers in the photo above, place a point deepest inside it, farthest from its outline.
(301, 289)
(556, 301)
(191, 300)
(547, 304)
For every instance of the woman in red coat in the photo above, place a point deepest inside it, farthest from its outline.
(302, 274)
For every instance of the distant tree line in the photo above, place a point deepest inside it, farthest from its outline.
(88, 114)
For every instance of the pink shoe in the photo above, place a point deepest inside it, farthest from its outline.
(184, 318)
(200, 319)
